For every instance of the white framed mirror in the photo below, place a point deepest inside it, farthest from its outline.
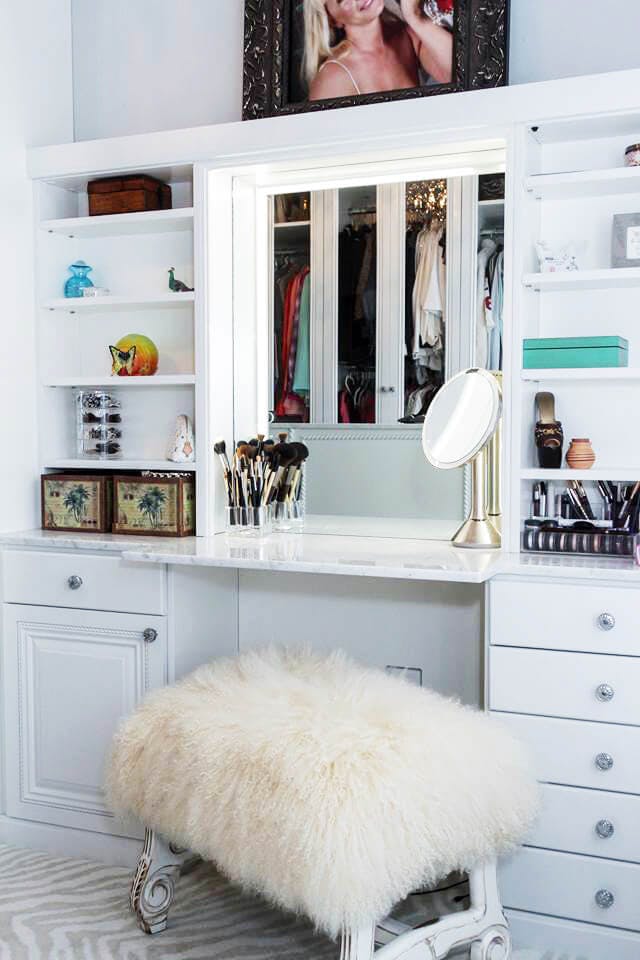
(364, 300)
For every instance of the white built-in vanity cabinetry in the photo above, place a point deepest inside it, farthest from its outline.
(549, 643)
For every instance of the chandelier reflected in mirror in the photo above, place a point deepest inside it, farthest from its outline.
(426, 199)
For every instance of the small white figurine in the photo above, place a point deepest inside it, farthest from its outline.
(181, 445)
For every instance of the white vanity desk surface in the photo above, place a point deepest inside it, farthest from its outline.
(385, 557)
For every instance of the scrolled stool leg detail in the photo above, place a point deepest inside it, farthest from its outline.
(154, 883)
(495, 944)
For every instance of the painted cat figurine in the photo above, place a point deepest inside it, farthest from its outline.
(122, 361)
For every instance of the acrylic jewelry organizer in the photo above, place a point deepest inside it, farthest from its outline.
(462, 426)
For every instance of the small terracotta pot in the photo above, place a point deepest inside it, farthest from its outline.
(580, 455)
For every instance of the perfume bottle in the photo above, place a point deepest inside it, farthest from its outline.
(78, 280)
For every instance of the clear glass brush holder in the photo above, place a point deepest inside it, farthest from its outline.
(98, 425)
(288, 515)
(249, 521)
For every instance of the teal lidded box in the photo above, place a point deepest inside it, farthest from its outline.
(556, 353)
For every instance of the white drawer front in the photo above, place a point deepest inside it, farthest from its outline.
(592, 822)
(565, 617)
(81, 581)
(547, 938)
(567, 885)
(565, 751)
(580, 685)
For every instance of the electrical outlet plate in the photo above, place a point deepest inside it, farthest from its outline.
(412, 674)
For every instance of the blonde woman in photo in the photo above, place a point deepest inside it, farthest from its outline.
(377, 50)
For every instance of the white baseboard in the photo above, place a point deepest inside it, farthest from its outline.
(67, 842)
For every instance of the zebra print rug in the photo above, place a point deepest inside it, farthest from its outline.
(59, 909)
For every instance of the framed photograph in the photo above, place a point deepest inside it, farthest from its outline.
(626, 240)
(302, 55)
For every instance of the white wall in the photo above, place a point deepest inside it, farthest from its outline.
(143, 65)
(35, 108)
(568, 38)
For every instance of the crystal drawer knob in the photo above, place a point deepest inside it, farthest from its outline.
(604, 761)
(605, 899)
(605, 692)
(605, 829)
(149, 635)
(606, 621)
(74, 582)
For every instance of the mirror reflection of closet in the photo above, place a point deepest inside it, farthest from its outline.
(490, 289)
(357, 304)
(291, 308)
(425, 267)
(380, 293)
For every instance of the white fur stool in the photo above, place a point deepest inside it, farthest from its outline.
(331, 789)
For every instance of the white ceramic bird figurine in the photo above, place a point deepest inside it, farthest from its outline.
(181, 445)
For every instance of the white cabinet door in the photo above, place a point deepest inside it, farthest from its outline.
(69, 678)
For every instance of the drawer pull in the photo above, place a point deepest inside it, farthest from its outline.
(605, 829)
(149, 635)
(605, 899)
(74, 582)
(604, 761)
(606, 621)
(605, 692)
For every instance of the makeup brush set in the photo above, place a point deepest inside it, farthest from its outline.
(263, 483)
(567, 522)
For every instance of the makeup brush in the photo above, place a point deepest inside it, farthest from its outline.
(220, 448)
(282, 456)
(629, 502)
(302, 454)
(247, 451)
(291, 473)
(584, 499)
(575, 502)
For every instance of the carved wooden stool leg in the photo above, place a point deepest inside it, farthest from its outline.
(358, 944)
(154, 883)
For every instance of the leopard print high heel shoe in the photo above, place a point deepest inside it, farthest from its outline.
(549, 435)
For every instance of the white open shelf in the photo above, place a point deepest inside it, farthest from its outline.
(620, 374)
(584, 183)
(584, 279)
(122, 224)
(148, 383)
(91, 304)
(623, 474)
(88, 463)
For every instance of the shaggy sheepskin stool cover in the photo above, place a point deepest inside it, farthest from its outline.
(332, 789)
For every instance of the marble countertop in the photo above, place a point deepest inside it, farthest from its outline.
(356, 556)
(390, 558)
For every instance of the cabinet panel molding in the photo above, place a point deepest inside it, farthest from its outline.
(70, 676)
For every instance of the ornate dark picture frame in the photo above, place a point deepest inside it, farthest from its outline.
(479, 58)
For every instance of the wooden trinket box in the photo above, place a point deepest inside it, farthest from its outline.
(156, 506)
(131, 194)
(76, 502)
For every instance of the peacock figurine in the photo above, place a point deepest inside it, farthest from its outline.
(177, 286)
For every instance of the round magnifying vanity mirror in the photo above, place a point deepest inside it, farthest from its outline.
(461, 422)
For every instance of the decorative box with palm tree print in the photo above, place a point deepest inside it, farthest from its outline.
(76, 502)
(155, 506)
